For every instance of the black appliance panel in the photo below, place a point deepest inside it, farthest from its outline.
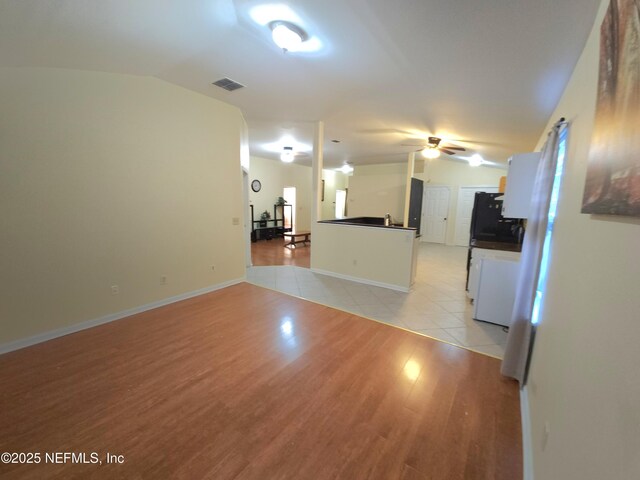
(415, 204)
(488, 224)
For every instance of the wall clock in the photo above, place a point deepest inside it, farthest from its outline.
(256, 185)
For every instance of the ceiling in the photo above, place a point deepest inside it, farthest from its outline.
(483, 74)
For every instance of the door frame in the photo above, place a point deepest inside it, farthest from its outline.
(247, 226)
(424, 210)
(459, 204)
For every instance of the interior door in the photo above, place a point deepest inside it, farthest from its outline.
(464, 211)
(436, 211)
(341, 203)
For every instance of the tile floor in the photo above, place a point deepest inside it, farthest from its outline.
(437, 305)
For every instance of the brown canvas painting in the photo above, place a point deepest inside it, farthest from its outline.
(613, 175)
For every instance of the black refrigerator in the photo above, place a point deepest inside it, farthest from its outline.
(488, 224)
(490, 227)
(415, 204)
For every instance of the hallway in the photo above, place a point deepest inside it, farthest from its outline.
(273, 252)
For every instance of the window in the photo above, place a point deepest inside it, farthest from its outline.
(553, 207)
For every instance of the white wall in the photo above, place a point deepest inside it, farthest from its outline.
(382, 256)
(455, 175)
(584, 376)
(378, 189)
(111, 179)
(333, 181)
(274, 176)
(375, 190)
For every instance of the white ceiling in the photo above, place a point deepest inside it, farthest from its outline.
(485, 74)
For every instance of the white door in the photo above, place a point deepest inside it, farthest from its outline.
(341, 202)
(289, 195)
(466, 196)
(435, 211)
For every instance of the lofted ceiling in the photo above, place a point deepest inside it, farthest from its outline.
(483, 74)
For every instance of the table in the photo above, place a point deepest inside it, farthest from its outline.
(296, 237)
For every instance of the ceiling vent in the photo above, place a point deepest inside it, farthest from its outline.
(228, 84)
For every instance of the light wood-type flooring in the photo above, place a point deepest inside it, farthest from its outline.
(248, 383)
(273, 252)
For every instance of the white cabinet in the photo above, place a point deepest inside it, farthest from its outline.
(520, 178)
(477, 256)
(496, 291)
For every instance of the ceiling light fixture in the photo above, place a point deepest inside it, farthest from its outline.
(286, 141)
(273, 15)
(431, 152)
(287, 155)
(346, 168)
(287, 36)
(475, 160)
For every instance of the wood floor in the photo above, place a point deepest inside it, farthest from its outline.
(273, 252)
(247, 383)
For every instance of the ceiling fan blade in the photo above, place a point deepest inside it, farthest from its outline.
(413, 145)
(451, 147)
(448, 152)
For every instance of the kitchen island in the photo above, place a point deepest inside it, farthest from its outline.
(363, 249)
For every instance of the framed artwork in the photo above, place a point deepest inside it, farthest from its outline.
(612, 185)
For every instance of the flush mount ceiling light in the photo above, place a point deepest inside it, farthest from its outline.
(475, 160)
(287, 155)
(431, 152)
(287, 35)
(288, 29)
(346, 168)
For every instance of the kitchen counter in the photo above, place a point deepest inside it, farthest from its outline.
(377, 222)
(363, 250)
(507, 247)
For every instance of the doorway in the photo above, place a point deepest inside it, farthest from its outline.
(341, 202)
(246, 218)
(466, 196)
(289, 195)
(435, 214)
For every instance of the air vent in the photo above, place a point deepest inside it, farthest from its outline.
(228, 84)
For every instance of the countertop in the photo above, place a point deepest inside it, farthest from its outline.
(507, 247)
(376, 222)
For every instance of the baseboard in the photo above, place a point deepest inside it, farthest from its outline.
(60, 332)
(527, 451)
(361, 280)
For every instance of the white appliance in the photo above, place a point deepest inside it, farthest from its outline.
(477, 256)
(496, 290)
(520, 177)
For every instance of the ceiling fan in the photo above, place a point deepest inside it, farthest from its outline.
(433, 148)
